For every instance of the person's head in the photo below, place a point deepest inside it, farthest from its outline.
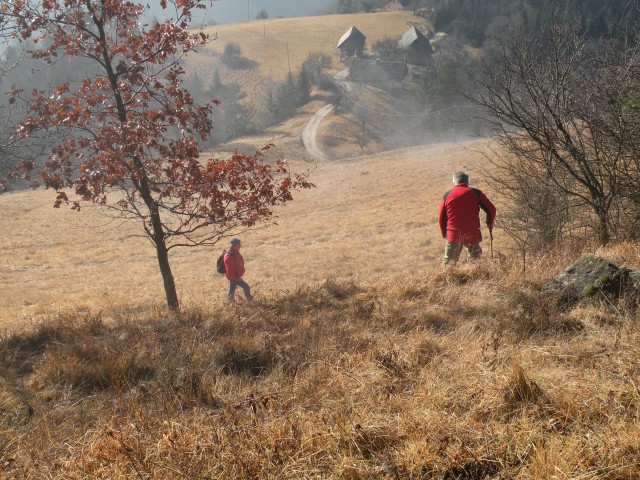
(235, 243)
(461, 178)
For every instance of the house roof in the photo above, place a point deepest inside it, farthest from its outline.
(354, 35)
(413, 36)
(394, 3)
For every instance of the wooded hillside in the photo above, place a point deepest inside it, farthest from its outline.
(477, 20)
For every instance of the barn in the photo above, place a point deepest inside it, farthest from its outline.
(394, 6)
(416, 47)
(351, 44)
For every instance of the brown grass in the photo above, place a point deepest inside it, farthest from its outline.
(360, 358)
(336, 381)
(265, 42)
(364, 215)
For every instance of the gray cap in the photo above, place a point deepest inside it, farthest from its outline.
(234, 241)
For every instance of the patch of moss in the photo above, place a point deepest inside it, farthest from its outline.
(597, 286)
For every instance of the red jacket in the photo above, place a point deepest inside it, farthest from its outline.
(458, 215)
(234, 264)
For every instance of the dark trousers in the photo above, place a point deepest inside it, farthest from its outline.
(232, 290)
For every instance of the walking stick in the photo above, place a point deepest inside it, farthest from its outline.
(491, 237)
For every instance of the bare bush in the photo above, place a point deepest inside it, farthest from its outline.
(556, 103)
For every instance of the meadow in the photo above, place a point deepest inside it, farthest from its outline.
(279, 44)
(362, 213)
(361, 356)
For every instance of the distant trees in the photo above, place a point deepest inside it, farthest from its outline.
(8, 114)
(318, 58)
(232, 57)
(440, 87)
(11, 72)
(283, 98)
(355, 6)
(315, 63)
(19, 68)
(597, 17)
(262, 15)
(388, 49)
(231, 50)
(249, 102)
(125, 132)
(473, 19)
(235, 110)
(558, 105)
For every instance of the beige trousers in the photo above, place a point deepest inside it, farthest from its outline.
(452, 251)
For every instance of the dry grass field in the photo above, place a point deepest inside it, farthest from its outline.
(362, 211)
(276, 44)
(360, 358)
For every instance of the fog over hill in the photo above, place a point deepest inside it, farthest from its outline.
(231, 11)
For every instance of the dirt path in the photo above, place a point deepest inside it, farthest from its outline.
(310, 131)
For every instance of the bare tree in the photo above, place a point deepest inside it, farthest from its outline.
(555, 101)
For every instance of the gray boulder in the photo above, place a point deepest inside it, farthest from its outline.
(588, 276)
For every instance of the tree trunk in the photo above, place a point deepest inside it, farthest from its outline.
(167, 276)
(158, 238)
(603, 228)
(163, 256)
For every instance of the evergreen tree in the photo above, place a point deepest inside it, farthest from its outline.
(236, 112)
(216, 82)
(303, 86)
(470, 18)
(287, 97)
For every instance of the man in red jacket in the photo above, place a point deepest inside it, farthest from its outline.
(234, 266)
(458, 217)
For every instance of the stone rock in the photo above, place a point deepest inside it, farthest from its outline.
(634, 279)
(587, 276)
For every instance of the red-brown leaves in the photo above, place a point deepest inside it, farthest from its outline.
(129, 126)
(60, 199)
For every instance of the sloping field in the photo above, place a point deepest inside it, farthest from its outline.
(360, 358)
(276, 44)
(363, 215)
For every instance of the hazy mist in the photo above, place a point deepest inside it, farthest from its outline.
(231, 11)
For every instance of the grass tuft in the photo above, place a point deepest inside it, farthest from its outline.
(520, 390)
(241, 358)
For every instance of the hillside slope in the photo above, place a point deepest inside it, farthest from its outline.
(359, 358)
(282, 43)
(362, 212)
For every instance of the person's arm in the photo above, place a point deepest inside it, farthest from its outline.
(489, 209)
(442, 217)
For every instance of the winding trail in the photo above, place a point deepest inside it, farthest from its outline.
(310, 131)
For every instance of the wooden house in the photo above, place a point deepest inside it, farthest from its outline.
(393, 6)
(351, 44)
(416, 47)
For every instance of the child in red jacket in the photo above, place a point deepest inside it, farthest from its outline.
(234, 266)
